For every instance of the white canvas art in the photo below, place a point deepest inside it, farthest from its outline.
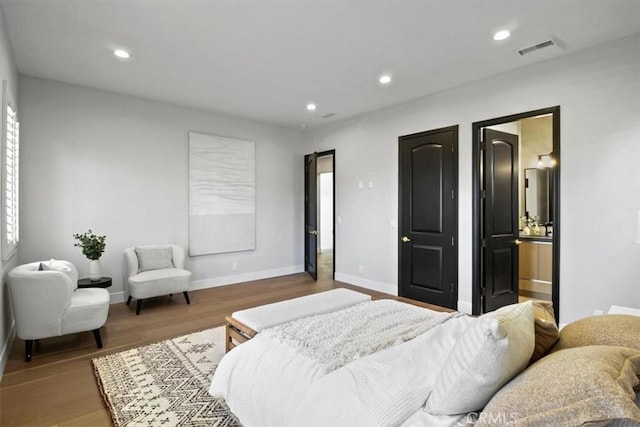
(222, 193)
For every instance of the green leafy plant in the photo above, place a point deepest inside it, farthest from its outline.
(92, 245)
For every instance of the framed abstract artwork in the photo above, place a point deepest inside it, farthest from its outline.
(222, 192)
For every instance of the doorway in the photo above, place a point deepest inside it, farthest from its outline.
(516, 199)
(320, 215)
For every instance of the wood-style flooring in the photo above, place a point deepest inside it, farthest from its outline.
(58, 387)
(325, 265)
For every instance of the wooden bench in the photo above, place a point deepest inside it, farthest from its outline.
(245, 324)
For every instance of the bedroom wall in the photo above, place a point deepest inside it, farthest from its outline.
(598, 91)
(119, 165)
(8, 72)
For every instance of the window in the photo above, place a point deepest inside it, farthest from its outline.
(10, 165)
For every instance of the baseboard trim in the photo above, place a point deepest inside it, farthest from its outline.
(245, 277)
(6, 348)
(465, 307)
(118, 297)
(366, 283)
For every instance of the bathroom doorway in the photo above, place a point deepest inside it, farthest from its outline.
(516, 209)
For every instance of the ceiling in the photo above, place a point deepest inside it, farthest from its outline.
(266, 59)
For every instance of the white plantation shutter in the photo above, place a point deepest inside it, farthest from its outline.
(10, 182)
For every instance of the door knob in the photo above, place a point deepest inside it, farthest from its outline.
(405, 239)
(517, 242)
(314, 232)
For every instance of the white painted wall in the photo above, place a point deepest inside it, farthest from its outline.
(8, 72)
(119, 165)
(598, 91)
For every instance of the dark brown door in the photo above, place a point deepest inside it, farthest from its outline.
(311, 215)
(428, 261)
(500, 214)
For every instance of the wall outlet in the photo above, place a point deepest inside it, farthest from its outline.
(360, 269)
(597, 312)
(234, 266)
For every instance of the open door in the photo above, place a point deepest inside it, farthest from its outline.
(311, 215)
(495, 252)
(500, 223)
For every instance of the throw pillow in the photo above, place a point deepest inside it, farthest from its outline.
(154, 258)
(572, 387)
(490, 352)
(62, 267)
(609, 329)
(54, 266)
(546, 328)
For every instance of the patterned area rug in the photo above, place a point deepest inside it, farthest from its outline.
(166, 383)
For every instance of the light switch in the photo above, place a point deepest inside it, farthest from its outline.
(370, 185)
(360, 185)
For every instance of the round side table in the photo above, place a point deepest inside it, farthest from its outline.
(104, 282)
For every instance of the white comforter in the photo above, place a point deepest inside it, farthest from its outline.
(270, 382)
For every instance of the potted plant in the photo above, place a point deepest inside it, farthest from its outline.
(92, 247)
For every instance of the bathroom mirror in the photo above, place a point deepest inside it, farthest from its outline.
(536, 194)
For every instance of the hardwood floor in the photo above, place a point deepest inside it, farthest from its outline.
(325, 265)
(58, 387)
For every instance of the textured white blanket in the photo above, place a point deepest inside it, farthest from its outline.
(336, 339)
(268, 382)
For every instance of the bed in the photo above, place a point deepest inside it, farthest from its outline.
(384, 363)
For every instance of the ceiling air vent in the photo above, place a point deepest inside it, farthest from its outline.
(329, 115)
(539, 46)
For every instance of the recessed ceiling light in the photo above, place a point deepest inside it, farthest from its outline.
(311, 107)
(122, 54)
(501, 35)
(385, 79)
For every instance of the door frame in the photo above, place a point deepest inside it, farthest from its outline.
(325, 153)
(307, 201)
(476, 303)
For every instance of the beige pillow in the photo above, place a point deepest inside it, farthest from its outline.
(490, 352)
(610, 329)
(546, 328)
(154, 258)
(573, 387)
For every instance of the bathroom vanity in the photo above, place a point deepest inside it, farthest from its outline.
(536, 267)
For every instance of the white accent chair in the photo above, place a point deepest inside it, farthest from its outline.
(155, 270)
(49, 304)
